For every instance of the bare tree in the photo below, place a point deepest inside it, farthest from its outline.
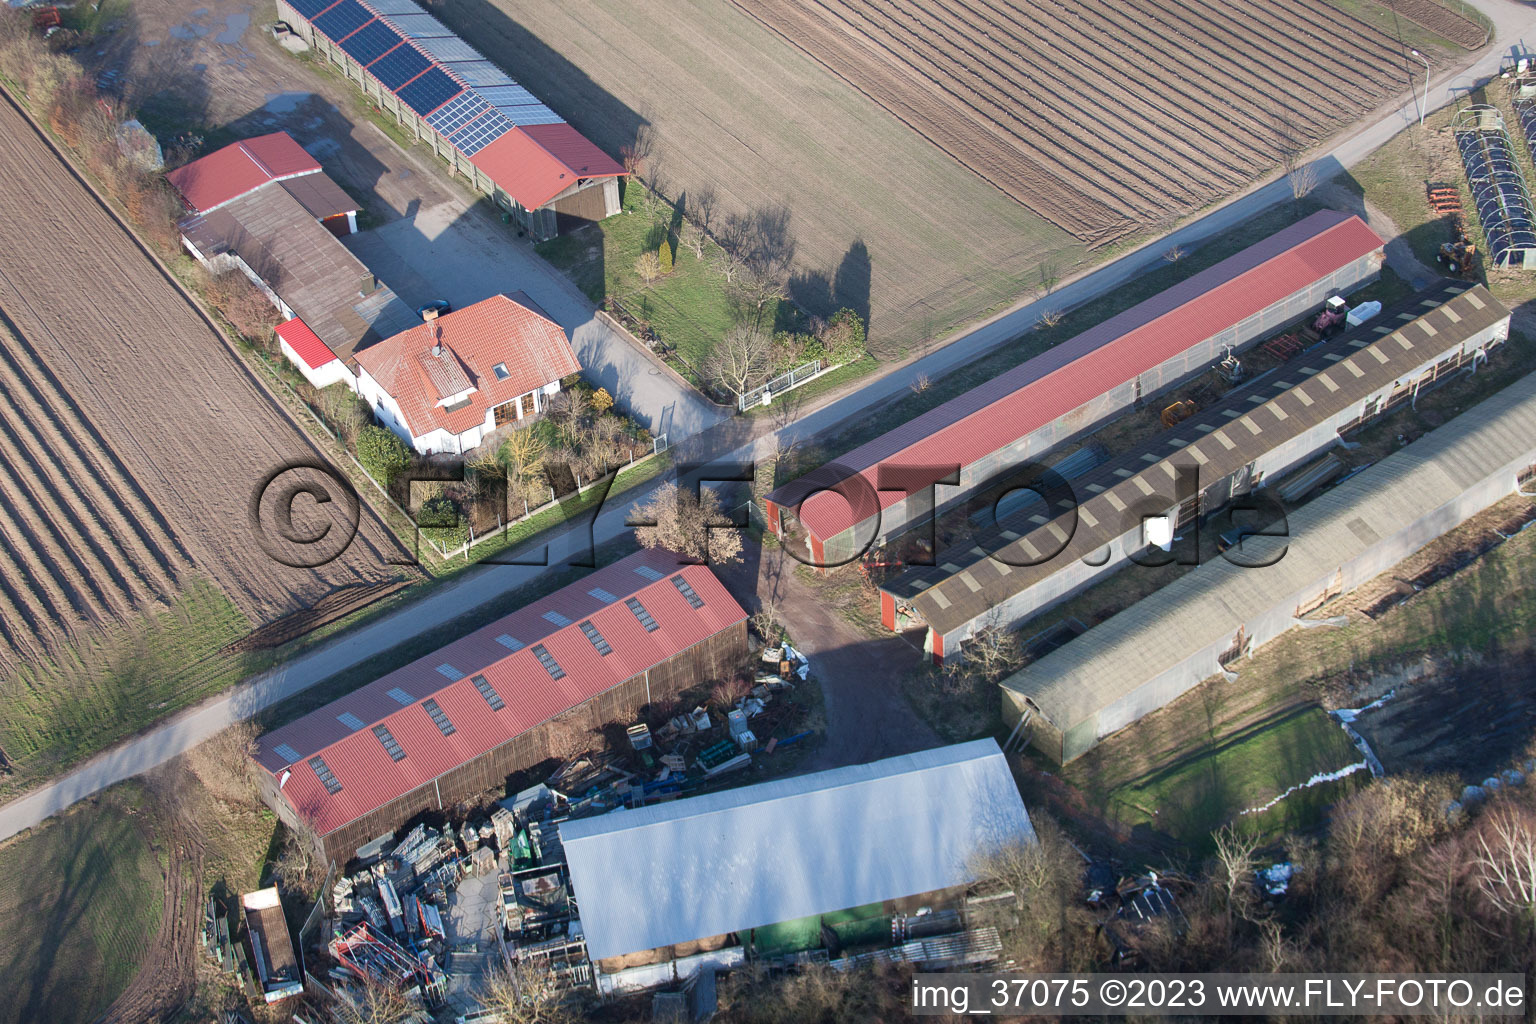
(1048, 318)
(301, 865)
(648, 266)
(691, 237)
(702, 210)
(1235, 873)
(1174, 253)
(1506, 865)
(920, 383)
(224, 762)
(373, 1003)
(1050, 276)
(992, 652)
(694, 526)
(527, 993)
(740, 362)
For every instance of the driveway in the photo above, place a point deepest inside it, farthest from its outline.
(449, 249)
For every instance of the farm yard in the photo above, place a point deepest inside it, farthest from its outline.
(134, 443)
(1185, 102)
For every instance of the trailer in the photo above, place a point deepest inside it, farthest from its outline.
(277, 970)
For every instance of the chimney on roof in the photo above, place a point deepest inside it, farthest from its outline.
(437, 350)
(428, 315)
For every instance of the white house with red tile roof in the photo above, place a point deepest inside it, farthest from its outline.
(448, 382)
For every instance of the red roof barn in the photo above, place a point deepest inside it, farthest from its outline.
(453, 724)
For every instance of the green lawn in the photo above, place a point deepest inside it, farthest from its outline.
(82, 896)
(689, 309)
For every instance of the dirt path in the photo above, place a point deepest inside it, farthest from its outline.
(867, 716)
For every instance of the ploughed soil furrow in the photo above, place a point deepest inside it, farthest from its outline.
(1020, 176)
(1442, 21)
(1155, 96)
(1354, 63)
(1230, 110)
(1009, 78)
(92, 471)
(1145, 129)
(1046, 122)
(26, 567)
(67, 503)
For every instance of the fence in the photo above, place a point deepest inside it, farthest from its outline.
(784, 382)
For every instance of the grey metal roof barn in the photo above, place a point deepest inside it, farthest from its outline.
(782, 850)
(1145, 657)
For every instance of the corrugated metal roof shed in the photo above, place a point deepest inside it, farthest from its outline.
(1207, 605)
(509, 657)
(749, 857)
(1065, 377)
(1279, 407)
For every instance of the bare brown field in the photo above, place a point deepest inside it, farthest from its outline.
(1105, 118)
(132, 440)
(1441, 20)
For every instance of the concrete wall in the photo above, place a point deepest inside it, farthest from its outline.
(1073, 577)
(1113, 402)
(712, 658)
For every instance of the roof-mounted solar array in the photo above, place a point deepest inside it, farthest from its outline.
(421, 26)
(391, 747)
(531, 113)
(448, 48)
(481, 133)
(488, 692)
(371, 42)
(644, 616)
(350, 720)
(439, 717)
(596, 638)
(430, 91)
(399, 66)
(310, 8)
(510, 95)
(686, 589)
(456, 113)
(343, 19)
(395, 6)
(473, 72)
(323, 772)
(548, 661)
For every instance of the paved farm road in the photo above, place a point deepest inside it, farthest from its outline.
(185, 730)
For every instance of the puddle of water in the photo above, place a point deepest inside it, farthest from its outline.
(201, 12)
(151, 42)
(234, 27)
(322, 148)
(189, 31)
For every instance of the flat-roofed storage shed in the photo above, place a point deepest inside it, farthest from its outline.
(655, 883)
(1076, 385)
(1255, 433)
(1204, 622)
(454, 724)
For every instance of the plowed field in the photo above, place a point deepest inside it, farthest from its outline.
(1105, 118)
(131, 439)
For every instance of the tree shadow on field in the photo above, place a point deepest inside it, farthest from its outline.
(822, 293)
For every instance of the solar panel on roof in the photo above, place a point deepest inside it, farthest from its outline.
(649, 573)
(449, 48)
(602, 595)
(439, 717)
(634, 605)
(401, 697)
(420, 26)
(510, 643)
(286, 752)
(391, 746)
(449, 672)
(398, 66)
(395, 6)
(548, 661)
(557, 618)
(480, 133)
(507, 95)
(430, 91)
(684, 588)
(343, 19)
(488, 692)
(323, 773)
(456, 113)
(350, 720)
(371, 42)
(475, 72)
(310, 8)
(531, 113)
(597, 638)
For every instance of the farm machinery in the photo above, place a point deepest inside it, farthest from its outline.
(1459, 257)
(1329, 322)
(1178, 412)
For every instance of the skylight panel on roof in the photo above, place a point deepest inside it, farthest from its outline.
(350, 720)
(392, 748)
(287, 753)
(649, 573)
(640, 613)
(510, 643)
(548, 661)
(557, 618)
(596, 638)
(439, 717)
(501, 371)
(449, 672)
(684, 588)
(401, 697)
(488, 692)
(602, 595)
(323, 773)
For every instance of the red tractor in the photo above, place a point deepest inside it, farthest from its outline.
(1329, 322)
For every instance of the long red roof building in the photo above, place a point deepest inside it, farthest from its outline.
(419, 723)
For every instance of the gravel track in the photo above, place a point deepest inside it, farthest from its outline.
(1214, 95)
